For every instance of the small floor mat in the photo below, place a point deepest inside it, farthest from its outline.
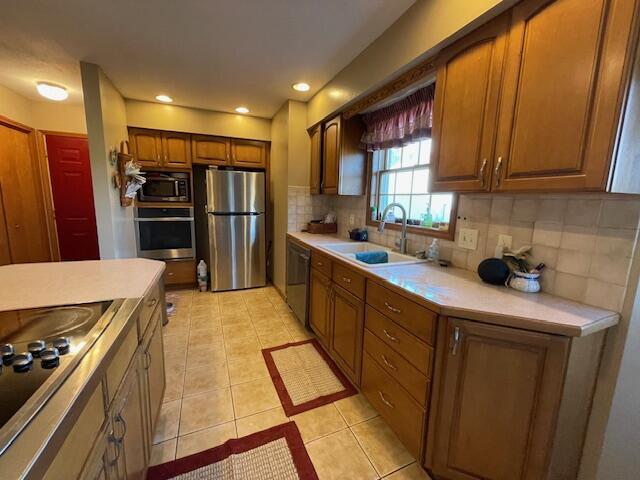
(276, 453)
(305, 377)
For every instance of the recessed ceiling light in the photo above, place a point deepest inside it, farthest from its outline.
(164, 98)
(301, 87)
(52, 91)
(242, 110)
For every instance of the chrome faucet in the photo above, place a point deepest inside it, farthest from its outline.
(402, 243)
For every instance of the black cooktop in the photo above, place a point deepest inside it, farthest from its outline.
(35, 343)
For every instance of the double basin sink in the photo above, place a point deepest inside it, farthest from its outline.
(348, 251)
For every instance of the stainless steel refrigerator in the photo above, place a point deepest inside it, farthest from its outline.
(231, 227)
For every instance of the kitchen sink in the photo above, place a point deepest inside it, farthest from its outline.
(349, 250)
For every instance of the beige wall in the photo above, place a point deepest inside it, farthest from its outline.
(279, 166)
(107, 127)
(299, 145)
(193, 120)
(43, 115)
(420, 31)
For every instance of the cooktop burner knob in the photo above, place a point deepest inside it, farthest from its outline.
(22, 362)
(36, 347)
(50, 357)
(62, 344)
(7, 351)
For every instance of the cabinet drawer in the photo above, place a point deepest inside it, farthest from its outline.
(321, 263)
(349, 279)
(180, 272)
(418, 320)
(395, 365)
(419, 354)
(121, 360)
(402, 413)
(149, 302)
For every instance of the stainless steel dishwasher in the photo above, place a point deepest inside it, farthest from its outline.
(298, 263)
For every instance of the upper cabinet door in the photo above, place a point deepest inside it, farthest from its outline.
(497, 402)
(146, 146)
(331, 141)
(466, 104)
(248, 153)
(316, 158)
(208, 150)
(561, 94)
(176, 149)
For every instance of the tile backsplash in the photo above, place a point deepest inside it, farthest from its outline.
(586, 241)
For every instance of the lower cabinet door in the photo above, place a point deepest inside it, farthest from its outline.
(497, 402)
(101, 463)
(129, 435)
(319, 319)
(347, 330)
(153, 373)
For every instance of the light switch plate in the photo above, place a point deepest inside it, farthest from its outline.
(468, 239)
(352, 220)
(505, 241)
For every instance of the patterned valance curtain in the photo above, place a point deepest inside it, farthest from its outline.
(403, 122)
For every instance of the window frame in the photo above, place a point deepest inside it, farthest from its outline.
(449, 234)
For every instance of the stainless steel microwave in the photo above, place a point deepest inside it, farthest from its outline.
(166, 187)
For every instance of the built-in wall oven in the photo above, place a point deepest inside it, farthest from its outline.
(166, 187)
(165, 233)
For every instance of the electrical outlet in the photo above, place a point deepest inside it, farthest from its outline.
(468, 239)
(352, 220)
(505, 241)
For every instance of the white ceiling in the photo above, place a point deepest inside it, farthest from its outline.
(214, 54)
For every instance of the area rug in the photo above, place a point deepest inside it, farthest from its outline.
(275, 453)
(305, 377)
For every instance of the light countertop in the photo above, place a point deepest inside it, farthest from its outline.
(33, 285)
(456, 292)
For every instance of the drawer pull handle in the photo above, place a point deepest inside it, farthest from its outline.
(319, 264)
(385, 401)
(170, 274)
(389, 364)
(152, 302)
(346, 280)
(389, 336)
(392, 308)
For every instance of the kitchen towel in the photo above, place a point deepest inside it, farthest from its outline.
(373, 257)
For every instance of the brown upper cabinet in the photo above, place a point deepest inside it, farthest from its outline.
(338, 165)
(466, 106)
(315, 135)
(209, 150)
(248, 153)
(154, 148)
(565, 78)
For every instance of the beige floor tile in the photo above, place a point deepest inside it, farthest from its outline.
(245, 369)
(338, 456)
(163, 452)
(174, 385)
(299, 333)
(289, 319)
(242, 346)
(175, 361)
(167, 424)
(175, 328)
(176, 341)
(241, 318)
(203, 439)
(201, 355)
(233, 309)
(239, 330)
(260, 421)
(355, 409)
(319, 422)
(381, 445)
(206, 322)
(201, 379)
(275, 340)
(266, 327)
(253, 397)
(410, 472)
(206, 336)
(206, 410)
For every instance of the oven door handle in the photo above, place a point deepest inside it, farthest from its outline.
(164, 219)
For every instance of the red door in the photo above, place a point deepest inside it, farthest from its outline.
(73, 197)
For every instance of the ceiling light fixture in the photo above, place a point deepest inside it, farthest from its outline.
(301, 87)
(164, 98)
(242, 110)
(52, 91)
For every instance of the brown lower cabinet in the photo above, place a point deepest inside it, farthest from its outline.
(347, 328)
(180, 273)
(319, 306)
